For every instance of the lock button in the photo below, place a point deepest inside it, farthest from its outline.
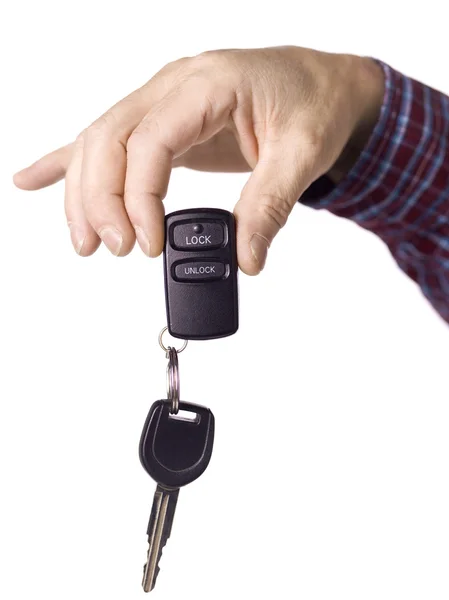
(198, 235)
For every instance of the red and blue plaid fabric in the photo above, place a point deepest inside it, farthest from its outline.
(399, 186)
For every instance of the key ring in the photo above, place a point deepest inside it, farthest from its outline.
(164, 348)
(173, 383)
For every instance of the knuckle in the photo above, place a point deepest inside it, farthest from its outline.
(313, 145)
(172, 72)
(92, 200)
(212, 60)
(207, 57)
(275, 209)
(101, 127)
(176, 65)
(208, 88)
(137, 139)
(80, 140)
(153, 133)
(99, 206)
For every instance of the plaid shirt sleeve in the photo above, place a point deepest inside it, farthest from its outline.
(399, 186)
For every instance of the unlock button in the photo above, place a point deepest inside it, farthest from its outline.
(209, 270)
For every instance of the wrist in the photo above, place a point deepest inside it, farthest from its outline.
(368, 93)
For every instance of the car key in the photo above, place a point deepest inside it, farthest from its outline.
(200, 270)
(174, 450)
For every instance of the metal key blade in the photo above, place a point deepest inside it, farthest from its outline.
(159, 529)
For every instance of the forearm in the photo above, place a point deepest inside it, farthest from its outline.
(398, 185)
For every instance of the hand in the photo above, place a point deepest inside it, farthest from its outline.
(284, 113)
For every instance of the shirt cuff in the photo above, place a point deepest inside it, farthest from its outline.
(364, 193)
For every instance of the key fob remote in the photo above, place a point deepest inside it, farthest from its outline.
(200, 269)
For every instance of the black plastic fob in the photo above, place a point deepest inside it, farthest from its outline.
(176, 449)
(200, 269)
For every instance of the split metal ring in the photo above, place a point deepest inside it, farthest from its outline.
(173, 383)
(167, 349)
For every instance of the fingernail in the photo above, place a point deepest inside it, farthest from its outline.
(77, 236)
(259, 249)
(111, 238)
(143, 240)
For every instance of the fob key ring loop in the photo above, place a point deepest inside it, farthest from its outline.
(173, 383)
(167, 349)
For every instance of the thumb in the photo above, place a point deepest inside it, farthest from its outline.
(280, 177)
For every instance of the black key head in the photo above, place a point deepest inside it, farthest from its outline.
(176, 449)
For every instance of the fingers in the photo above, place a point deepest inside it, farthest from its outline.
(103, 173)
(147, 178)
(83, 236)
(118, 171)
(285, 169)
(185, 117)
(46, 171)
(102, 177)
(104, 167)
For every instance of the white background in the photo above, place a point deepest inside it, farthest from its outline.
(330, 472)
